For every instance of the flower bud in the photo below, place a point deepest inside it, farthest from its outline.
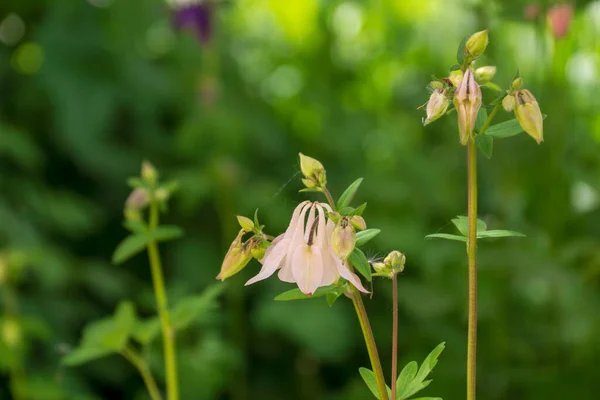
(334, 216)
(258, 252)
(527, 112)
(138, 199)
(456, 77)
(381, 268)
(436, 85)
(485, 74)
(395, 260)
(467, 101)
(477, 43)
(313, 171)
(149, 173)
(508, 103)
(358, 223)
(517, 84)
(237, 257)
(246, 223)
(436, 106)
(343, 238)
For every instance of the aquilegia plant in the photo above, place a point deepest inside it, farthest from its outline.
(462, 90)
(320, 253)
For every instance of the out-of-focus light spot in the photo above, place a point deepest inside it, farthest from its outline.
(297, 18)
(159, 39)
(416, 10)
(12, 29)
(100, 3)
(582, 69)
(593, 13)
(347, 20)
(28, 58)
(583, 197)
(285, 82)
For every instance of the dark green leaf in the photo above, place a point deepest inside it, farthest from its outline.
(482, 116)
(348, 195)
(485, 144)
(455, 67)
(296, 294)
(166, 232)
(461, 52)
(332, 296)
(360, 262)
(498, 234)
(365, 236)
(446, 236)
(369, 378)
(129, 247)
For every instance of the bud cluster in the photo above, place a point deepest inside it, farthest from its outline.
(526, 108)
(392, 264)
(146, 189)
(315, 178)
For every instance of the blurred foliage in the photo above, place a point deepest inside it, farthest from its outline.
(90, 88)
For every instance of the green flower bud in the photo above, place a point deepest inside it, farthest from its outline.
(343, 238)
(477, 43)
(485, 74)
(456, 77)
(149, 173)
(508, 103)
(529, 115)
(395, 260)
(313, 171)
(436, 106)
(381, 268)
(246, 223)
(258, 252)
(517, 84)
(358, 223)
(436, 85)
(334, 216)
(237, 257)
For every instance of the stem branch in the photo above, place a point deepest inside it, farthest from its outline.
(140, 364)
(370, 342)
(394, 334)
(163, 312)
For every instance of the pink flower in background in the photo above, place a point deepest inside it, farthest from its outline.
(532, 11)
(559, 20)
(303, 254)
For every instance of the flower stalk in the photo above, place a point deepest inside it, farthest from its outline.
(142, 366)
(394, 333)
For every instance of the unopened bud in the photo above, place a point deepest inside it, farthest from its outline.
(436, 85)
(485, 74)
(529, 115)
(237, 257)
(358, 222)
(259, 249)
(395, 260)
(246, 223)
(436, 106)
(11, 332)
(149, 173)
(380, 267)
(334, 216)
(343, 238)
(313, 171)
(467, 101)
(456, 77)
(477, 43)
(508, 103)
(138, 199)
(517, 84)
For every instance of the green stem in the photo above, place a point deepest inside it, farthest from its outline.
(329, 198)
(394, 333)
(472, 256)
(18, 378)
(163, 311)
(370, 342)
(490, 118)
(140, 364)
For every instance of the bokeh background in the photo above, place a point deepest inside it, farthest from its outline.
(89, 89)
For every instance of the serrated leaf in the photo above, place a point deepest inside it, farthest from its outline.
(461, 52)
(482, 116)
(363, 237)
(369, 378)
(407, 374)
(446, 236)
(166, 232)
(296, 294)
(485, 144)
(361, 263)
(499, 234)
(146, 331)
(348, 195)
(506, 129)
(129, 247)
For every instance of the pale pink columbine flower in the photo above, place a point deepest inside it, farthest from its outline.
(303, 254)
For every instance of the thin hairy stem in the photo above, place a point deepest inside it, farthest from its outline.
(329, 198)
(163, 312)
(394, 333)
(142, 366)
(370, 342)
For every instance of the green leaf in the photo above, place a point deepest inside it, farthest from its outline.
(360, 262)
(365, 236)
(493, 86)
(129, 247)
(407, 374)
(485, 144)
(498, 234)
(296, 294)
(506, 129)
(462, 224)
(428, 398)
(358, 210)
(332, 296)
(348, 195)
(430, 361)
(461, 52)
(82, 355)
(482, 116)
(369, 378)
(135, 183)
(446, 236)
(455, 67)
(165, 232)
(124, 322)
(190, 309)
(146, 331)
(138, 226)
(346, 210)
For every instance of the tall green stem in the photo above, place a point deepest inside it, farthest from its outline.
(140, 364)
(472, 256)
(394, 333)
(370, 342)
(163, 312)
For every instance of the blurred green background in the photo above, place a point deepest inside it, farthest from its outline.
(88, 89)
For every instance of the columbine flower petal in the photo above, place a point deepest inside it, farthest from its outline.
(344, 271)
(307, 268)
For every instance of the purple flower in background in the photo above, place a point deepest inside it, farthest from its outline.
(195, 15)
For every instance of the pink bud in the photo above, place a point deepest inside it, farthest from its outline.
(467, 101)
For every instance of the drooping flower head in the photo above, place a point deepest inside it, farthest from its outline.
(304, 254)
(529, 115)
